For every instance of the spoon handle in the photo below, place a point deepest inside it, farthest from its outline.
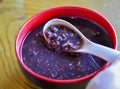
(103, 52)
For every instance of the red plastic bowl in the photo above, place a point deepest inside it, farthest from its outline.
(56, 12)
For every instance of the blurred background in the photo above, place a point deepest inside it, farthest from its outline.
(13, 13)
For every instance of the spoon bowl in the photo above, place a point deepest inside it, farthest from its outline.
(87, 46)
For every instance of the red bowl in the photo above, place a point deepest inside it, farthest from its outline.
(56, 12)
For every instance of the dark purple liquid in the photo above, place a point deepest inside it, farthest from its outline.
(44, 60)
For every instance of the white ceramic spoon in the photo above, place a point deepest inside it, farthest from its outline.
(88, 46)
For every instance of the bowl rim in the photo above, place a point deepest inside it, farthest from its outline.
(17, 50)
